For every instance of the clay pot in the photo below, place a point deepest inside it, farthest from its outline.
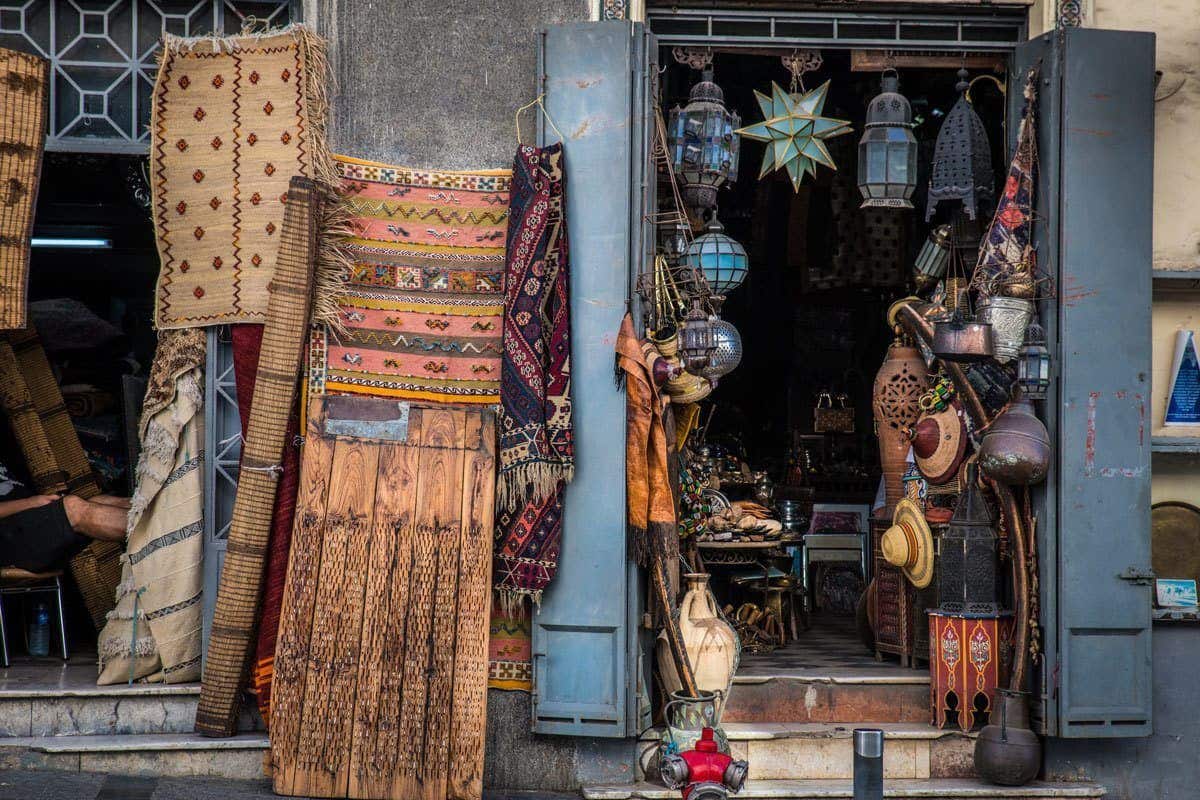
(898, 385)
(712, 646)
(1016, 448)
(1007, 751)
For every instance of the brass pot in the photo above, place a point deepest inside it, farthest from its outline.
(1007, 751)
(962, 341)
(1016, 448)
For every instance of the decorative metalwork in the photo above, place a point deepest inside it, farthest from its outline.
(801, 62)
(728, 352)
(1070, 13)
(698, 58)
(615, 9)
(103, 58)
(701, 140)
(962, 159)
(1033, 366)
(137, 181)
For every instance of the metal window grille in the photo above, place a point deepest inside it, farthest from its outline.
(103, 58)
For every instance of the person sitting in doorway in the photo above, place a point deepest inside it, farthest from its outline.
(41, 532)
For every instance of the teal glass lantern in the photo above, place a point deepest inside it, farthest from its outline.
(887, 152)
(720, 258)
(702, 143)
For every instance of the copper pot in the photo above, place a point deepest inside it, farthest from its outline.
(962, 340)
(1016, 448)
(1007, 751)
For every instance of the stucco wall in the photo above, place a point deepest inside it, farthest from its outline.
(435, 83)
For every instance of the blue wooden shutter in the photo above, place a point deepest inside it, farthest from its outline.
(1095, 206)
(583, 638)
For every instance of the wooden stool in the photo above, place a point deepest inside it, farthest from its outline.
(14, 580)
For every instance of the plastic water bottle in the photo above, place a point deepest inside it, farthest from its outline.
(39, 631)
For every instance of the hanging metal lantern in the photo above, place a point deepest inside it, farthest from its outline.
(931, 261)
(887, 151)
(719, 257)
(962, 159)
(696, 343)
(728, 352)
(702, 143)
(968, 553)
(1033, 364)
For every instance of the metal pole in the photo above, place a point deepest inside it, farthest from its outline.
(868, 764)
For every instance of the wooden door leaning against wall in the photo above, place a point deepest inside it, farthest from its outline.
(381, 670)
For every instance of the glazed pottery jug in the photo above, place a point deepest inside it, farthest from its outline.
(712, 645)
(1016, 448)
(898, 386)
(1007, 751)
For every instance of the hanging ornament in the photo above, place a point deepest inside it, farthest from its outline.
(887, 152)
(793, 126)
(701, 142)
(962, 158)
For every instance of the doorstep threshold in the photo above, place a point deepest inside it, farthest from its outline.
(837, 678)
(125, 743)
(947, 789)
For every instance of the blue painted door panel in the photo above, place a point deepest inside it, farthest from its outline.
(594, 81)
(1097, 99)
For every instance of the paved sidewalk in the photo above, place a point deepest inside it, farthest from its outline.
(93, 786)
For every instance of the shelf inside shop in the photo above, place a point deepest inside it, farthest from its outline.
(1183, 445)
(1191, 615)
(1171, 280)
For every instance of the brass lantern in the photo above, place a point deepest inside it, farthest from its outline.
(968, 556)
(887, 152)
(1033, 364)
(696, 342)
(933, 258)
(702, 143)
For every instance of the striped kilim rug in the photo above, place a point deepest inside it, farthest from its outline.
(22, 139)
(235, 620)
(233, 120)
(421, 310)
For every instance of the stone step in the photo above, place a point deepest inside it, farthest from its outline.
(892, 696)
(105, 710)
(945, 789)
(169, 755)
(825, 751)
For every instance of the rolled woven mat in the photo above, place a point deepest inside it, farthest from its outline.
(40, 407)
(231, 643)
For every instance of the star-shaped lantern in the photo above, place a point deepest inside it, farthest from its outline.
(794, 131)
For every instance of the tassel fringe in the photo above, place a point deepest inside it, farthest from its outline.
(531, 483)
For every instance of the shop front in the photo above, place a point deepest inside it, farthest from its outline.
(800, 456)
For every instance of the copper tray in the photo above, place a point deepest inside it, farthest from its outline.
(1175, 540)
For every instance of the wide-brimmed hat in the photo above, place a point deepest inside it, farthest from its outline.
(908, 544)
(939, 442)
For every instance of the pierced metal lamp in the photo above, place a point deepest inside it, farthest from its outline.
(702, 143)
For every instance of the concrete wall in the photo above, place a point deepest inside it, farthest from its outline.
(435, 83)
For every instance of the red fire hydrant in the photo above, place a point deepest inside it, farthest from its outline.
(704, 773)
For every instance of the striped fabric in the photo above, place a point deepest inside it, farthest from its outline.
(158, 605)
(422, 307)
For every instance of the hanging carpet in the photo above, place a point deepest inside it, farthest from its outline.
(23, 109)
(382, 660)
(155, 631)
(233, 120)
(420, 315)
(247, 343)
(537, 447)
(54, 457)
(510, 648)
(231, 643)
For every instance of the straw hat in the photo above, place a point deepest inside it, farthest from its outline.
(908, 544)
(939, 441)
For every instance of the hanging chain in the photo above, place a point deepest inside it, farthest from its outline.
(800, 62)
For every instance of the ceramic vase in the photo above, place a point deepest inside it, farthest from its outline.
(898, 385)
(712, 645)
